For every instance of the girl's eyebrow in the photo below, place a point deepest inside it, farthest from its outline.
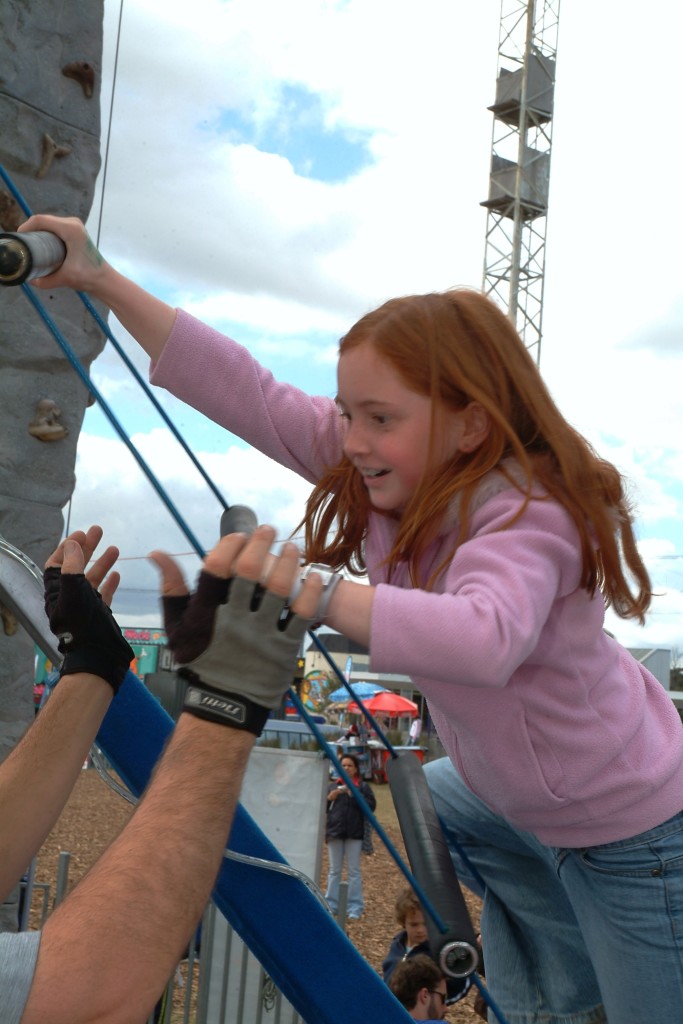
(367, 402)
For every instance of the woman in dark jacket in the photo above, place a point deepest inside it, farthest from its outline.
(344, 834)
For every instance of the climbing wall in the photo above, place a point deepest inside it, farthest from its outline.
(50, 64)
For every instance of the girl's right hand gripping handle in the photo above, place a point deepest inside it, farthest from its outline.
(30, 254)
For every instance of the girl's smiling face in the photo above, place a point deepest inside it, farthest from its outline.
(388, 428)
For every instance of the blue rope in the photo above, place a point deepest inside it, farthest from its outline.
(75, 362)
(393, 852)
(104, 327)
(362, 803)
(102, 324)
(488, 998)
(15, 191)
(367, 714)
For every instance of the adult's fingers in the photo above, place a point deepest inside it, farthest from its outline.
(73, 560)
(279, 575)
(172, 579)
(109, 586)
(93, 536)
(86, 541)
(99, 570)
(236, 549)
(57, 556)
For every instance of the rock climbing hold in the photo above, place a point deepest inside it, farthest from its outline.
(51, 151)
(45, 425)
(83, 73)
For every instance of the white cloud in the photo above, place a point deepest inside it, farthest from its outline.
(213, 213)
(266, 313)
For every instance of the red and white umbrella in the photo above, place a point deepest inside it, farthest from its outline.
(387, 703)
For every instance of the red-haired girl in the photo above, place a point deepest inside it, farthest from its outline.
(492, 536)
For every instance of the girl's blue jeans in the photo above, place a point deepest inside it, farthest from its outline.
(571, 936)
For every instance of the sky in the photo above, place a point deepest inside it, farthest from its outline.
(278, 169)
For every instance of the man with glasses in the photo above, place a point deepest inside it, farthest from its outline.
(420, 986)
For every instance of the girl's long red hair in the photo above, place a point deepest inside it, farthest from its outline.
(458, 347)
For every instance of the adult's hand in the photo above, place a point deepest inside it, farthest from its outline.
(236, 634)
(78, 612)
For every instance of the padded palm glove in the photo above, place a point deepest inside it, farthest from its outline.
(89, 635)
(238, 643)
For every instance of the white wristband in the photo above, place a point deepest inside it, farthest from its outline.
(330, 582)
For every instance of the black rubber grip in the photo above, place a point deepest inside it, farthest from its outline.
(455, 950)
(238, 519)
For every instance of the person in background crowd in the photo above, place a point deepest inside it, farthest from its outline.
(420, 986)
(412, 940)
(344, 834)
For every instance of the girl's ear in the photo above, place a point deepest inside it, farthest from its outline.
(477, 424)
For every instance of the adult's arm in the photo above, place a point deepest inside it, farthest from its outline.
(146, 318)
(108, 950)
(38, 776)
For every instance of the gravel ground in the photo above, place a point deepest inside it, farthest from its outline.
(95, 814)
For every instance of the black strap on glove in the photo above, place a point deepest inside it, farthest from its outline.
(213, 705)
(89, 636)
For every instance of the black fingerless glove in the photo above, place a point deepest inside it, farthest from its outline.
(89, 636)
(189, 620)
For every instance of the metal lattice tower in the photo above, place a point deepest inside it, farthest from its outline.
(520, 163)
